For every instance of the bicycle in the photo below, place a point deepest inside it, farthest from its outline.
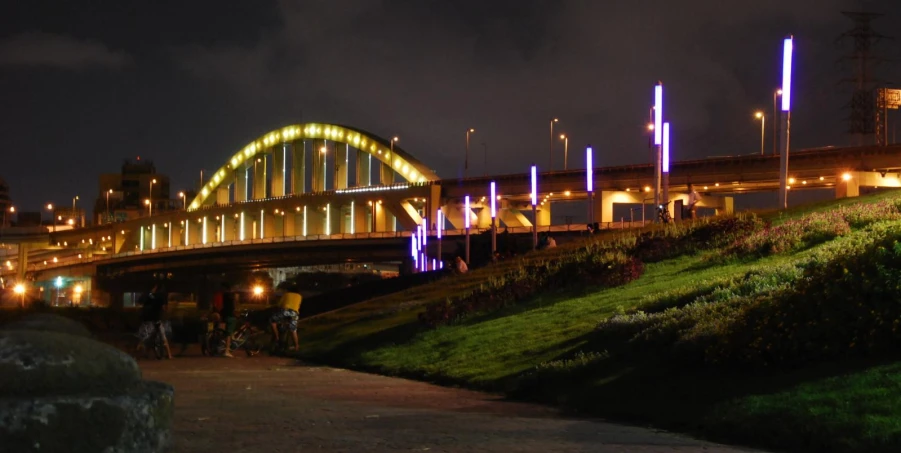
(154, 338)
(663, 214)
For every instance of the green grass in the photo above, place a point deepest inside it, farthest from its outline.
(531, 351)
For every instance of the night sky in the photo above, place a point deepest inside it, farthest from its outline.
(86, 84)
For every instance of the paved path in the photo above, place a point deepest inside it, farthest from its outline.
(271, 405)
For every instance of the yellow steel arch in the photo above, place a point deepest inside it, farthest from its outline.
(404, 164)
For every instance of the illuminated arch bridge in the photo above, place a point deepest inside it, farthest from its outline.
(295, 160)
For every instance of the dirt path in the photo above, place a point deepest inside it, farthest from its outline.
(272, 405)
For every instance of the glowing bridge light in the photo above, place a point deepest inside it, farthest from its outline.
(466, 212)
(425, 228)
(665, 147)
(589, 170)
(440, 218)
(493, 200)
(534, 185)
(658, 113)
(787, 48)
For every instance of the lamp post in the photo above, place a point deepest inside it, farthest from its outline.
(534, 207)
(50, 208)
(787, 48)
(466, 221)
(762, 118)
(108, 192)
(776, 94)
(74, 199)
(550, 164)
(440, 224)
(493, 218)
(589, 182)
(11, 210)
(658, 140)
(184, 200)
(466, 160)
(565, 149)
(149, 206)
(150, 196)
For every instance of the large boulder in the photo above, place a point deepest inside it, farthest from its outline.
(66, 393)
(48, 322)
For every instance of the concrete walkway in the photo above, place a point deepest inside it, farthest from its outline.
(270, 405)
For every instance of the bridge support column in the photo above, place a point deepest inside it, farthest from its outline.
(241, 183)
(222, 195)
(382, 218)
(259, 177)
(386, 174)
(544, 215)
(359, 216)
(158, 237)
(341, 161)
(22, 265)
(319, 160)
(208, 229)
(484, 215)
(279, 161)
(849, 187)
(289, 222)
(298, 167)
(227, 228)
(510, 213)
(364, 169)
(607, 199)
(314, 220)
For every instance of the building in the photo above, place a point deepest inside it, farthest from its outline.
(134, 192)
(5, 204)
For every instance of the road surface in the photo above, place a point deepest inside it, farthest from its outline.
(270, 405)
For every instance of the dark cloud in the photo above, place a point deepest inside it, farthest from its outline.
(207, 77)
(44, 49)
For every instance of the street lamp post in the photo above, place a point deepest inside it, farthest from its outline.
(550, 164)
(493, 219)
(108, 192)
(149, 206)
(466, 159)
(534, 207)
(184, 200)
(762, 118)
(150, 197)
(74, 199)
(776, 94)
(787, 48)
(565, 149)
(466, 220)
(50, 208)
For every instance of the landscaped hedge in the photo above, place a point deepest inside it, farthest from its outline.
(841, 299)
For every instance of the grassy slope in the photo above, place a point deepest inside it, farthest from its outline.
(494, 351)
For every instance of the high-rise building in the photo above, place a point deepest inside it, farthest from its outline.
(130, 193)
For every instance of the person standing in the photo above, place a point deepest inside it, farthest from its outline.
(230, 300)
(153, 306)
(288, 310)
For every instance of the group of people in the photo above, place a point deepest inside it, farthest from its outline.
(224, 314)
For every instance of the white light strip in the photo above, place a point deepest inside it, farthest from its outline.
(241, 227)
(787, 49)
(203, 233)
(466, 219)
(658, 113)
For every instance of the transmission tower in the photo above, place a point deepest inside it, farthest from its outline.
(865, 119)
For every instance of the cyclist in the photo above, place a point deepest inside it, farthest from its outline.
(229, 312)
(153, 305)
(287, 310)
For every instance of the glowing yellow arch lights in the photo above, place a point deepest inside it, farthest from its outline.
(406, 165)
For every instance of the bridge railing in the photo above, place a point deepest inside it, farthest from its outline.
(74, 260)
